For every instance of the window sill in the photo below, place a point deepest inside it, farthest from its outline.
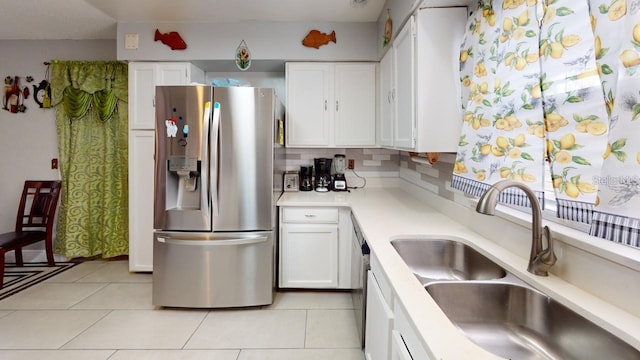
(576, 235)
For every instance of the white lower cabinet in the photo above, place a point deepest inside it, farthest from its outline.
(399, 350)
(378, 324)
(389, 333)
(406, 340)
(315, 248)
(309, 255)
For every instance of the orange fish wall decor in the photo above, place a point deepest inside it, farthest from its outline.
(171, 39)
(315, 39)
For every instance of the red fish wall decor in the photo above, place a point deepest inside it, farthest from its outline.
(315, 39)
(171, 39)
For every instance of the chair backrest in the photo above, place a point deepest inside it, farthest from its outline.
(38, 204)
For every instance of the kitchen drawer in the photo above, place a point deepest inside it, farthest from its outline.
(314, 215)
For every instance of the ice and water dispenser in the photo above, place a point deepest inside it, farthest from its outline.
(183, 175)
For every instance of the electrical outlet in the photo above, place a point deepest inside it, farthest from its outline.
(54, 164)
(351, 164)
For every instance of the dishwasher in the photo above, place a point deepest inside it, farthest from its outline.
(359, 268)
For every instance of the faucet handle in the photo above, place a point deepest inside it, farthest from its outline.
(546, 258)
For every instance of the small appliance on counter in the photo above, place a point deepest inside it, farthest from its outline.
(323, 174)
(339, 167)
(291, 181)
(306, 178)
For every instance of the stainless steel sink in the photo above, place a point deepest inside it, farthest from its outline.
(517, 322)
(443, 259)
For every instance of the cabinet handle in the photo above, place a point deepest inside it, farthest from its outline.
(309, 215)
(336, 105)
(393, 94)
(325, 105)
(154, 101)
(389, 97)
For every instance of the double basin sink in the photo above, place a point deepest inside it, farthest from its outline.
(500, 312)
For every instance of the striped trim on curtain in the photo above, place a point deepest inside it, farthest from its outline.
(574, 211)
(619, 229)
(511, 196)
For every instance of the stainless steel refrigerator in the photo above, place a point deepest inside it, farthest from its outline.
(218, 171)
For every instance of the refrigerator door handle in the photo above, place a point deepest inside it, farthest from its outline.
(215, 242)
(206, 189)
(214, 158)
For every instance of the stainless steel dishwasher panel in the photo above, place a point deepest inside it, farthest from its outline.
(207, 270)
(359, 268)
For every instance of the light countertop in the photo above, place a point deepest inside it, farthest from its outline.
(387, 213)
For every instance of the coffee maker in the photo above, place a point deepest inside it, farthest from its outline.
(339, 167)
(323, 174)
(306, 178)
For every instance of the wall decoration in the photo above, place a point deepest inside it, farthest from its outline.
(42, 94)
(42, 91)
(315, 39)
(243, 56)
(171, 39)
(8, 82)
(13, 100)
(388, 30)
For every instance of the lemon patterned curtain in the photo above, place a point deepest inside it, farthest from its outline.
(90, 99)
(503, 131)
(616, 27)
(575, 111)
(571, 97)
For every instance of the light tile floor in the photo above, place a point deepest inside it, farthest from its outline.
(98, 310)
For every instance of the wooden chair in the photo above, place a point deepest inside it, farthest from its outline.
(34, 222)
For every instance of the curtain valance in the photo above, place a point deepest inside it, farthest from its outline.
(81, 85)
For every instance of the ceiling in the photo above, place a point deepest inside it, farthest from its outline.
(96, 19)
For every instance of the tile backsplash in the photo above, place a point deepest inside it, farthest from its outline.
(435, 178)
(368, 162)
(374, 163)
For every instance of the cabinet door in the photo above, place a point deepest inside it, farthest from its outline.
(355, 105)
(308, 104)
(172, 74)
(404, 48)
(141, 168)
(379, 322)
(141, 95)
(439, 114)
(407, 335)
(386, 100)
(143, 78)
(399, 350)
(309, 256)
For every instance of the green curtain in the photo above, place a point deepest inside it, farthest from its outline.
(90, 98)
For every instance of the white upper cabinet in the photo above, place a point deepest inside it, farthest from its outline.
(355, 105)
(386, 100)
(308, 91)
(422, 74)
(331, 104)
(404, 70)
(143, 78)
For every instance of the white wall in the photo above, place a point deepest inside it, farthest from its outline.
(266, 41)
(28, 140)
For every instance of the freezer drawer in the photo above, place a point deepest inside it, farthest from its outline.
(206, 270)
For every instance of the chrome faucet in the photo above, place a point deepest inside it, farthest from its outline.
(540, 260)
